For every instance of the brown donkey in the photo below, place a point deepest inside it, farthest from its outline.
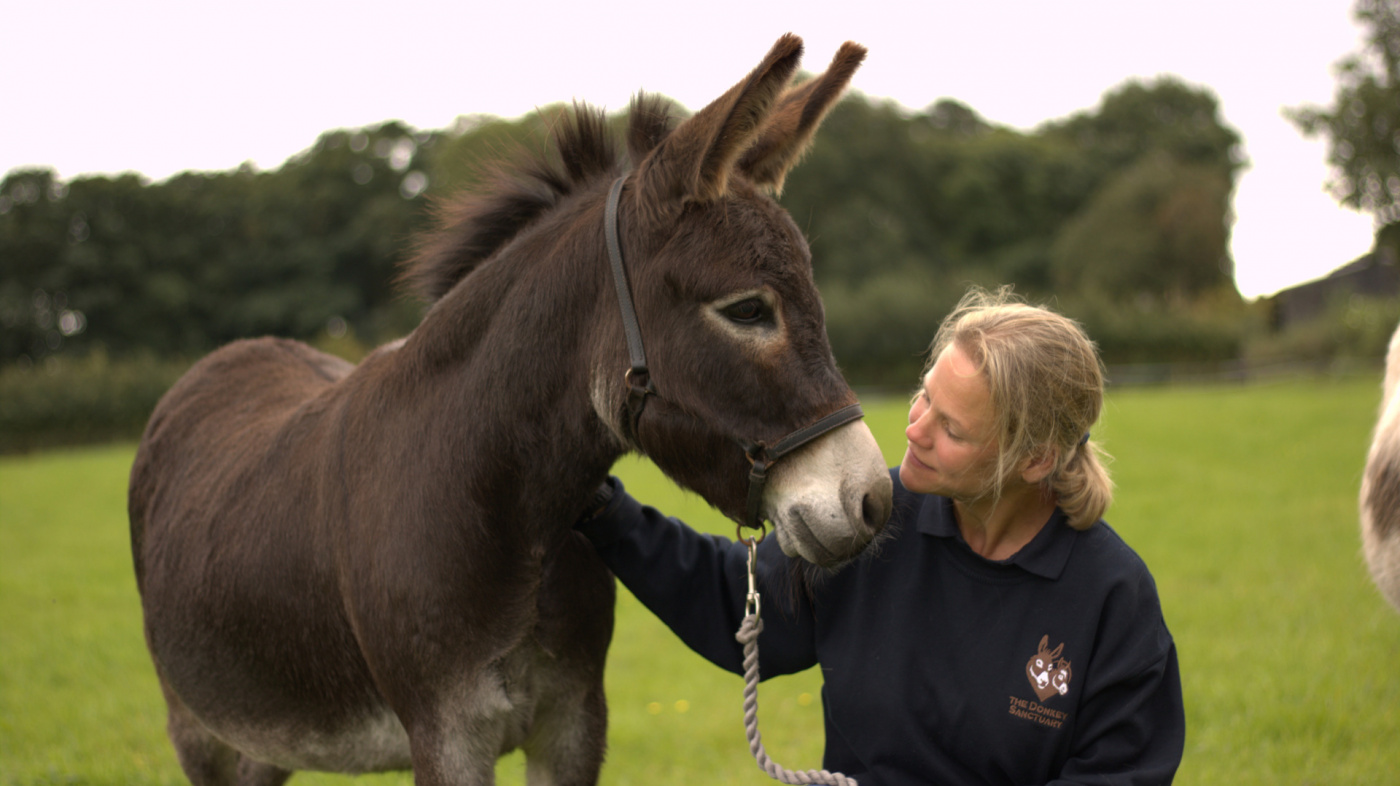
(1380, 487)
(368, 568)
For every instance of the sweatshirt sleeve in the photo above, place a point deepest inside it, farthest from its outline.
(697, 585)
(1132, 724)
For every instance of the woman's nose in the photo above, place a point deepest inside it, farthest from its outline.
(914, 432)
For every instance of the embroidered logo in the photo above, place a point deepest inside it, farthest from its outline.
(1049, 674)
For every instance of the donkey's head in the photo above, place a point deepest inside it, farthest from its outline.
(1042, 665)
(730, 317)
(1061, 677)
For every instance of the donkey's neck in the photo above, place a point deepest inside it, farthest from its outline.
(502, 363)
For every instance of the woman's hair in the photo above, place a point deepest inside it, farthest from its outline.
(1046, 383)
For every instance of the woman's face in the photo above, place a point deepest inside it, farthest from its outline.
(952, 450)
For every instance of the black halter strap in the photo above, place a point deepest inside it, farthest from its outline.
(761, 457)
(639, 386)
(638, 378)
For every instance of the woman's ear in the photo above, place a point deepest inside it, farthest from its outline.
(1038, 467)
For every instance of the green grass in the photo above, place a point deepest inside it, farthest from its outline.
(1241, 499)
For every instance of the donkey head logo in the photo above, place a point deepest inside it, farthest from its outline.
(1049, 674)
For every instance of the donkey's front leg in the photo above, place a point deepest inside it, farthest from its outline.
(457, 746)
(567, 743)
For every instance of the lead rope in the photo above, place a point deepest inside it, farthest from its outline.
(748, 636)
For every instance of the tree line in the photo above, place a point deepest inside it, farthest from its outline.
(1119, 214)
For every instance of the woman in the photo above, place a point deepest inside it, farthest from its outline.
(1004, 634)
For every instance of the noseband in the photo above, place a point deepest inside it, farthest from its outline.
(639, 385)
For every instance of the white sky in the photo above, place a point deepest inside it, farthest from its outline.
(164, 86)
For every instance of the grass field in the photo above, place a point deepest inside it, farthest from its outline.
(1242, 500)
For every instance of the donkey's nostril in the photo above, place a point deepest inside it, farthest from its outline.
(874, 511)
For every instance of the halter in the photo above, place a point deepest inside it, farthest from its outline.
(639, 385)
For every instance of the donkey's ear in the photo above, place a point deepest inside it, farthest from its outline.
(791, 127)
(695, 160)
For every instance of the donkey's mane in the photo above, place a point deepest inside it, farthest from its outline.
(469, 227)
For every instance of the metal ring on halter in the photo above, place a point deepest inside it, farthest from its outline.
(753, 539)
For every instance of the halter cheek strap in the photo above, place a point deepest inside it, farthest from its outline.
(638, 377)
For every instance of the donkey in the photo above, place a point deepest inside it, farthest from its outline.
(370, 568)
(1060, 679)
(1043, 668)
(1380, 487)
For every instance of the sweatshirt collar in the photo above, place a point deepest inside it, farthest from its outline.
(1044, 556)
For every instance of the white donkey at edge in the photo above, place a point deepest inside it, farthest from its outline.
(1380, 487)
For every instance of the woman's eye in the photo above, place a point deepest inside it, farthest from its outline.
(746, 311)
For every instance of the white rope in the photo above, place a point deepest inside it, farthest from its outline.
(748, 636)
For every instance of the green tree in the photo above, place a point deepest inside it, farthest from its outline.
(1362, 125)
(1127, 202)
(475, 142)
(855, 198)
(324, 234)
(179, 267)
(1156, 232)
(32, 229)
(1139, 118)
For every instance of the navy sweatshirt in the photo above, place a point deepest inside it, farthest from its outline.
(939, 666)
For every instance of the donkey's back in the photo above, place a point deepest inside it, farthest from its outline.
(231, 500)
(218, 424)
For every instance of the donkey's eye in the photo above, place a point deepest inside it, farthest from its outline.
(747, 312)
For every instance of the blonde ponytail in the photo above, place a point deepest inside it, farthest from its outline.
(1082, 486)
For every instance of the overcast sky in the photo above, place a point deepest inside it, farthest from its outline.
(160, 86)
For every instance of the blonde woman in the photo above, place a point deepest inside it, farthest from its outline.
(1003, 633)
